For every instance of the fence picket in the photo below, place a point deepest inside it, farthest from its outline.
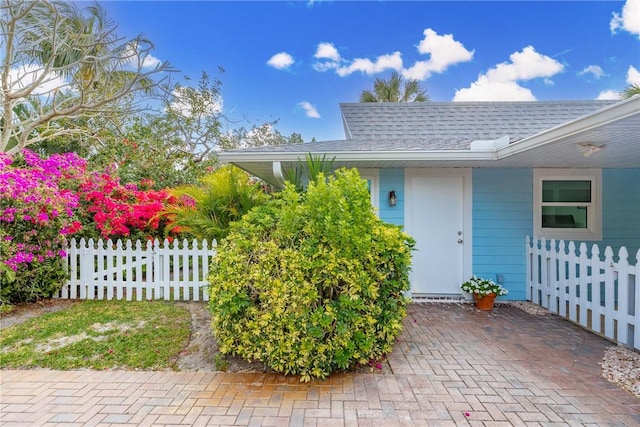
(609, 291)
(583, 284)
(151, 270)
(562, 279)
(623, 294)
(636, 305)
(596, 289)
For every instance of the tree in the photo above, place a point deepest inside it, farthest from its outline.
(61, 64)
(631, 90)
(258, 136)
(394, 91)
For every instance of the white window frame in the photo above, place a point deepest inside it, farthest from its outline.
(373, 176)
(593, 232)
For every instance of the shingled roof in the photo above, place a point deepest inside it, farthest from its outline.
(420, 126)
(453, 125)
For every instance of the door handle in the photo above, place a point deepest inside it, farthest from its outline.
(459, 240)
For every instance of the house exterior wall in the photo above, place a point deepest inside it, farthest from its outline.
(621, 210)
(502, 217)
(392, 180)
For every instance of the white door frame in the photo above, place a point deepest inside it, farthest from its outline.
(467, 227)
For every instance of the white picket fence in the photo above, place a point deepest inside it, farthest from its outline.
(601, 295)
(142, 271)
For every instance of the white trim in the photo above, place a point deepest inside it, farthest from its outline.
(610, 114)
(594, 218)
(616, 112)
(467, 210)
(372, 175)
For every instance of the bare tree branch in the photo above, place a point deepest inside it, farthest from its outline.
(64, 62)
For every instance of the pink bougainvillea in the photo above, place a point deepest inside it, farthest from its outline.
(44, 201)
(122, 210)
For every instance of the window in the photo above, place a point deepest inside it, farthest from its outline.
(567, 204)
(371, 176)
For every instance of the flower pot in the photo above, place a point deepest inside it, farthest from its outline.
(484, 302)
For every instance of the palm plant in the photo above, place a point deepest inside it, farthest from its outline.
(393, 90)
(631, 90)
(206, 210)
(309, 170)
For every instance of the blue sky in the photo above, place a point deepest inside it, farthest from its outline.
(296, 61)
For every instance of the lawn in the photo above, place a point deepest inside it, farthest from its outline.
(99, 335)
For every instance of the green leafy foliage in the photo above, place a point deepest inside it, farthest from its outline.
(206, 210)
(308, 170)
(311, 283)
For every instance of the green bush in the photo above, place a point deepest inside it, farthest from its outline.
(311, 283)
(206, 209)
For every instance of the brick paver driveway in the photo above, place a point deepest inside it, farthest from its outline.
(453, 365)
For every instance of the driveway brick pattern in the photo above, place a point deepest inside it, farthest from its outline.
(453, 365)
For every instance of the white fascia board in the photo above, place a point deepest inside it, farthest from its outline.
(613, 113)
(363, 156)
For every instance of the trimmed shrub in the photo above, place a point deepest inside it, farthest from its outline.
(311, 283)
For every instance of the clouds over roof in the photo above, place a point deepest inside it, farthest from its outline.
(443, 52)
(628, 20)
(501, 83)
(593, 70)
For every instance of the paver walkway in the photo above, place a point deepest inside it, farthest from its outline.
(453, 365)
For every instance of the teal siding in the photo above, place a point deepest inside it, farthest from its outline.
(502, 217)
(621, 209)
(392, 179)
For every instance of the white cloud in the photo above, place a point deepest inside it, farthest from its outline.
(633, 76)
(608, 94)
(281, 61)
(444, 51)
(500, 82)
(327, 51)
(26, 75)
(629, 20)
(391, 61)
(330, 55)
(310, 110)
(594, 70)
(150, 61)
(485, 89)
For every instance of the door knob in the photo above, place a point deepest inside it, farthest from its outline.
(459, 240)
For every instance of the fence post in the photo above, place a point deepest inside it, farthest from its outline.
(636, 304)
(156, 277)
(583, 284)
(596, 284)
(69, 291)
(529, 273)
(536, 273)
(623, 296)
(109, 251)
(609, 292)
(552, 280)
(100, 270)
(562, 279)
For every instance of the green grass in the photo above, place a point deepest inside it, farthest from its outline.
(99, 335)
